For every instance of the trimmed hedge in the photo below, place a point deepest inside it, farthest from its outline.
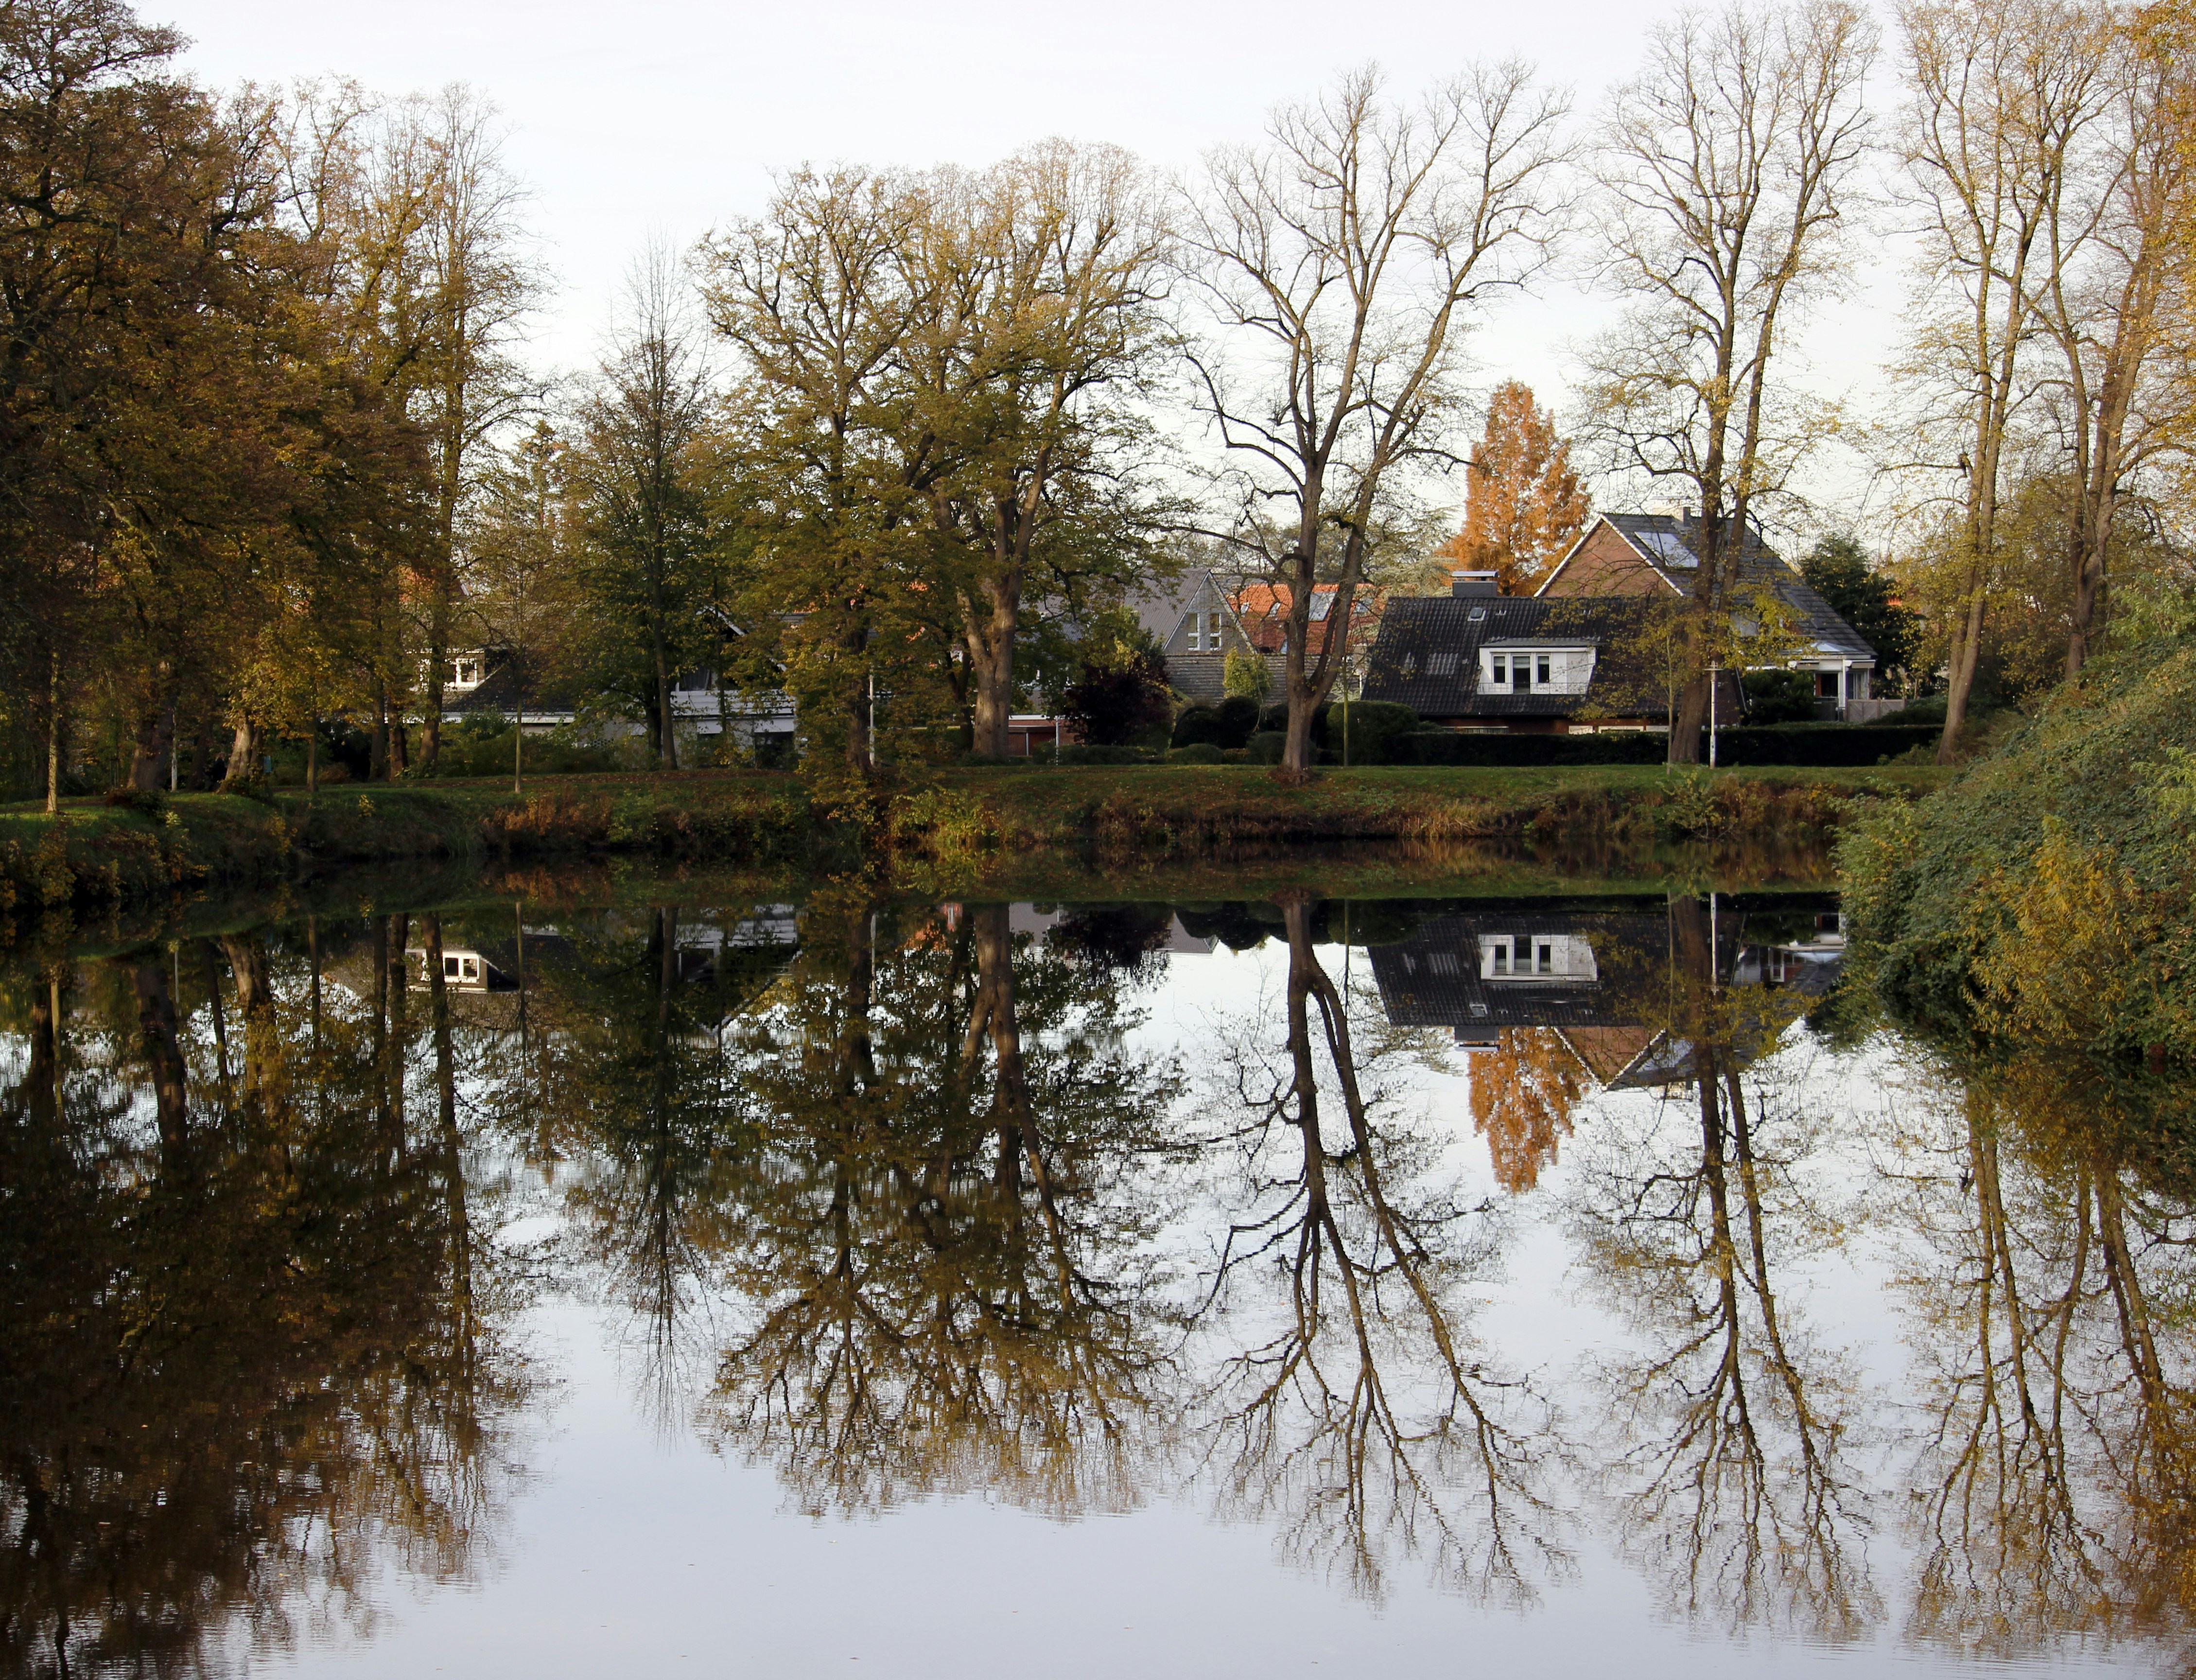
(1815, 745)
(1229, 724)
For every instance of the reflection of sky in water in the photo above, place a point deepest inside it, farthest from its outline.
(632, 1547)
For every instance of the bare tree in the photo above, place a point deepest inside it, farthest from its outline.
(480, 286)
(1339, 265)
(2110, 294)
(1729, 165)
(2000, 97)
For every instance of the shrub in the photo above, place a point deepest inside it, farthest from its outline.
(1820, 745)
(1779, 697)
(1115, 704)
(1267, 747)
(1245, 675)
(1376, 729)
(1198, 752)
(1229, 724)
(1092, 753)
(150, 802)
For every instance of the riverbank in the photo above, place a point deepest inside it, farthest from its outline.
(2047, 895)
(956, 826)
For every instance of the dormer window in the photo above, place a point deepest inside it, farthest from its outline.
(1547, 956)
(462, 671)
(1558, 670)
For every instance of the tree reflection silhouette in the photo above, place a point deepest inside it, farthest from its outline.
(941, 1241)
(234, 1368)
(2051, 1215)
(1365, 1419)
(1727, 1465)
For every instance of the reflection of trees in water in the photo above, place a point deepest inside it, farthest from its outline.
(2049, 1289)
(249, 1344)
(611, 1056)
(1366, 1421)
(1729, 1421)
(941, 1238)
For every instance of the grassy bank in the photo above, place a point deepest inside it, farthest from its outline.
(2047, 895)
(959, 826)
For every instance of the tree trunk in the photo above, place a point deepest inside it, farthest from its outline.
(155, 730)
(54, 736)
(859, 748)
(430, 722)
(1690, 717)
(1967, 654)
(244, 750)
(667, 737)
(991, 659)
(377, 760)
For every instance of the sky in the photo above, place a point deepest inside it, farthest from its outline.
(658, 119)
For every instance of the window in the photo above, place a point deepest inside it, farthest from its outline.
(1212, 631)
(1501, 670)
(1826, 685)
(1196, 632)
(462, 672)
(1542, 673)
(1544, 958)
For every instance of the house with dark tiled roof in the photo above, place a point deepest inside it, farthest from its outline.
(1474, 659)
(1600, 979)
(1654, 556)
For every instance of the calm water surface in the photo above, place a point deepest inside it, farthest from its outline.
(851, 1285)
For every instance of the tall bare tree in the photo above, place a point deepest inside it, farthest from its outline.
(2000, 96)
(1339, 265)
(1728, 166)
(2115, 288)
(480, 286)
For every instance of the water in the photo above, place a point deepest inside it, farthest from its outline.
(668, 1280)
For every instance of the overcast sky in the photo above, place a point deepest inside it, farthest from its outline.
(653, 117)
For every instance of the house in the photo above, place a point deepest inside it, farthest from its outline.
(1197, 626)
(1600, 980)
(502, 683)
(1653, 555)
(1264, 610)
(1477, 660)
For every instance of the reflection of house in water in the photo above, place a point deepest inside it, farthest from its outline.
(1602, 980)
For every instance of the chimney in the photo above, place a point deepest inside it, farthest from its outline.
(1462, 583)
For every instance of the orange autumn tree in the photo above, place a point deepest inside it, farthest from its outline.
(1522, 1093)
(1524, 505)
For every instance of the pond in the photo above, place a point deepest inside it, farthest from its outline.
(667, 1280)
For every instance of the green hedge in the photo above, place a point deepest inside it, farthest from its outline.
(1815, 745)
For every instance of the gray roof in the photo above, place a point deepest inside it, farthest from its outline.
(1667, 541)
(1427, 656)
